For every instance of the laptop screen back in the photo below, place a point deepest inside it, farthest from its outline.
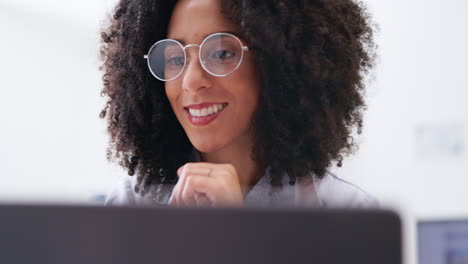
(64, 234)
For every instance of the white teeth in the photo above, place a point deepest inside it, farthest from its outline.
(206, 111)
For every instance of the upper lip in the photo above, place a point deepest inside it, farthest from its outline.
(201, 106)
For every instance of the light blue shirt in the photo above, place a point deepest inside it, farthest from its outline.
(328, 192)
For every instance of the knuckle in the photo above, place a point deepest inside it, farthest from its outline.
(189, 182)
(189, 165)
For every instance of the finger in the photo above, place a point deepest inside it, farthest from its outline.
(196, 169)
(188, 193)
(223, 166)
(190, 196)
(203, 201)
(181, 183)
(175, 190)
(179, 171)
(185, 199)
(189, 169)
(172, 199)
(203, 164)
(211, 169)
(203, 185)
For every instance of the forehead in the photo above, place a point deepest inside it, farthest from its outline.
(193, 20)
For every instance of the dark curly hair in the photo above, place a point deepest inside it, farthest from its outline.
(313, 57)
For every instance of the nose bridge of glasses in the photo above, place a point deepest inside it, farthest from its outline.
(190, 46)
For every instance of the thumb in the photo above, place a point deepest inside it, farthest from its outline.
(179, 171)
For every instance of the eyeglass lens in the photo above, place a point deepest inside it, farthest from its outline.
(220, 55)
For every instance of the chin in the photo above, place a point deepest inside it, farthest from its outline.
(207, 146)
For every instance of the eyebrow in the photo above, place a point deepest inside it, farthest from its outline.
(230, 32)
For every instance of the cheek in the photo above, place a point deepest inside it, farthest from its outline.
(246, 101)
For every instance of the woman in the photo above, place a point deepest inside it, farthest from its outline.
(235, 102)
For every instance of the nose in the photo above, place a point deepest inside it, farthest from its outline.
(195, 78)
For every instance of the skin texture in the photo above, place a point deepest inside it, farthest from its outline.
(229, 138)
(310, 60)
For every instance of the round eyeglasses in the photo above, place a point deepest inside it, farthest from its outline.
(220, 54)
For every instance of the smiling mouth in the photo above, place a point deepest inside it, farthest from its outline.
(205, 115)
(206, 111)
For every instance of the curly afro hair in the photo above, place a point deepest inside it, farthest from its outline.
(313, 57)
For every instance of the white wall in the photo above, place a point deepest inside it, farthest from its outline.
(414, 150)
(413, 153)
(52, 141)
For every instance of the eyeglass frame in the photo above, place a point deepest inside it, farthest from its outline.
(187, 58)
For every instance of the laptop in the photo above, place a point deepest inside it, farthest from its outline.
(443, 242)
(93, 234)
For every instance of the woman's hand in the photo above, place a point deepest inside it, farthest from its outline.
(207, 184)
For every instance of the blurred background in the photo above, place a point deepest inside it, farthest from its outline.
(413, 153)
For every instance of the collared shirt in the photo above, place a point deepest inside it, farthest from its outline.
(311, 191)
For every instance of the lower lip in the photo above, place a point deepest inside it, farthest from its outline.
(205, 120)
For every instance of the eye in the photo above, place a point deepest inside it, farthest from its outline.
(222, 54)
(175, 61)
